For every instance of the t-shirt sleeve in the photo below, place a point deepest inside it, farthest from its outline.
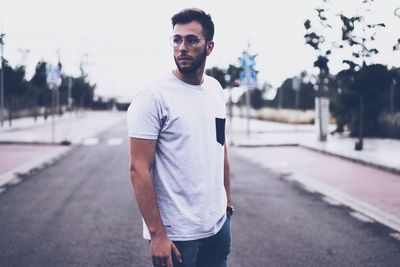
(144, 116)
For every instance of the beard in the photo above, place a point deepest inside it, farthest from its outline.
(196, 63)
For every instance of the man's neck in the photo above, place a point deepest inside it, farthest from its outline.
(194, 78)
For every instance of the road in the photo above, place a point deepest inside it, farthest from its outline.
(81, 211)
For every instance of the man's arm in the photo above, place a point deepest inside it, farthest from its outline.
(227, 178)
(142, 153)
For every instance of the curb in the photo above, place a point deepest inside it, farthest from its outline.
(357, 160)
(12, 177)
(376, 214)
(324, 151)
(338, 197)
(264, 145)
(62, 143)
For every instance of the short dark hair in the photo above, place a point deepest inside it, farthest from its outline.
(195, 14)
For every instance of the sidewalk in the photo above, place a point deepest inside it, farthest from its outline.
(27, 145)
(380, 153)
(371, 188)
(72, 127)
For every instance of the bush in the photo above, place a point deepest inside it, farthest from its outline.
(390, 125)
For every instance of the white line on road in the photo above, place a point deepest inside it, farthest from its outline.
(361, 217)
(395, 235)
(308, 188)
(115, 141)
(331, 201)
(14, 181)
(90, 141)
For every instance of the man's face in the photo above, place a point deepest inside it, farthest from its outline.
(190, 47)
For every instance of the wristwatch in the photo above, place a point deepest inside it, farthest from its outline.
(229, 210)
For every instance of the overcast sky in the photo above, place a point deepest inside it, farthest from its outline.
(126, 41)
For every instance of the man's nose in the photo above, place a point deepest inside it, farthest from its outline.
(183, 45)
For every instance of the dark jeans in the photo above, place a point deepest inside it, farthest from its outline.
(212, 251)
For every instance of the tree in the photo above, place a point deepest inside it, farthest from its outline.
(14, 80)
(234, 75)
(82, 91)
(357, 85)
(38, 85)
(368, 82)
(396, 46)
(218, 74)
(316, 39)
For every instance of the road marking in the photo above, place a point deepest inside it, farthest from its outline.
(115, 141)
(308, 188)
(331, 201)
(90, 141)
(15, 181)
(361, 217)
(395, 235)
(349, 201)
(278, 164)
(2, 190)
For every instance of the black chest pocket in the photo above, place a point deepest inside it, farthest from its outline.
(220, 130)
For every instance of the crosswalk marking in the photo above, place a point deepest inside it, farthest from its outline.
(361, 217)
(115, 141)
(395, 235)
(331, 201)
(15, 181)
(90, 141)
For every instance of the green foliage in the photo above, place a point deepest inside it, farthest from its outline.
(14, 82)
(389, 124)
(371, 83)
(315, 38)
(226, 77)
(38, 85)
(82, 91)
(218, 74)
(256, 99)
(234, 74)
(37, 91)
(285, 97)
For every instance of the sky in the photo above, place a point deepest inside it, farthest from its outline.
(124, 43)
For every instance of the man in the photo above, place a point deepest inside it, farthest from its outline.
(179, 165)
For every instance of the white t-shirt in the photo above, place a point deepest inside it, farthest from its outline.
(188, 122)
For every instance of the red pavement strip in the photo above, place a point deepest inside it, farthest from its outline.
(20, 159)
(371, 191)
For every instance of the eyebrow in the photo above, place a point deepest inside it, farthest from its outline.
(189, 35)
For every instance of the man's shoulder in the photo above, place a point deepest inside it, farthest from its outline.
(212, 81)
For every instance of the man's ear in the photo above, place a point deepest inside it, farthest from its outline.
(210, 47)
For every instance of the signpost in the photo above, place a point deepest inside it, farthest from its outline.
(54, 81)
(296, 82)
(248, 79)
(1, 81)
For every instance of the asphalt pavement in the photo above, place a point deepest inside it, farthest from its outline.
(369, 187)
(81, 211)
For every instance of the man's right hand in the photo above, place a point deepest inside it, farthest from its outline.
(161, 251)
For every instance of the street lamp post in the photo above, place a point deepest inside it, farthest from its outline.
(2, 81)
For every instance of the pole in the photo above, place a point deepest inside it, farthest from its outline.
(53, 121)
(247, 111)
(2, 82)
(58, 108)
(392, 96)
(359, 145)
(321, 135)
(297, 101)
(70, 93)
